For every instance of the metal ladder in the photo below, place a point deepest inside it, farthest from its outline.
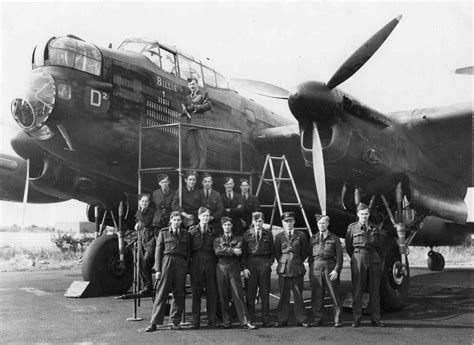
(277, 180)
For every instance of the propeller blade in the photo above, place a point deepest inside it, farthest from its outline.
(362, 55)
(469, 70)
(261, 88)
(25, 194)
(318, 169)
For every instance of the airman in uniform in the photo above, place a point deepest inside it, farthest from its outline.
(228, 249)
(233, 206)
(191, 200)
(146, 251)
(325, 259)
(212, 200)
(250, 203)
(197, 103)
(173, 252)
(162, 198)
(203, 268)
(291, 250)
(258, 254)
(363, 246)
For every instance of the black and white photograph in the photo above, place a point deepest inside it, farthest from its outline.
(235, 172)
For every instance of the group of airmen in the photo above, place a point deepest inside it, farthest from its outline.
(216, 238)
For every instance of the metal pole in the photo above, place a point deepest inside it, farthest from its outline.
(97, 221)
(139, 159)
(120, 236)
(241, 155)
(135, 284)
(180, 166)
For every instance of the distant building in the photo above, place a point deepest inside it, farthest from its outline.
(75, 227)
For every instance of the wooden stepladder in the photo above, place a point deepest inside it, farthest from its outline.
(284, 175)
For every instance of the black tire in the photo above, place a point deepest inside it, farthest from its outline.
(435, 261)
(394, 292)
(100, 266)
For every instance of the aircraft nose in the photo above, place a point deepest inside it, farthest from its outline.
(33, 109)
(312, 101)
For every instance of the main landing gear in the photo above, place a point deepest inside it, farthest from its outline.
(395, 282)
(107, 262)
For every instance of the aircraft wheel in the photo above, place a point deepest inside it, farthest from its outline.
(435, 261)
(394, 287)
(101, 266)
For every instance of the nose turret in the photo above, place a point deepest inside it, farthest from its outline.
(33, 109)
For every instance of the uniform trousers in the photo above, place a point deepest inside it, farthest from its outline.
(288, 284)
(173, 279)
(229, 284)
(203, 274)
(196, 143)
(147, 261)
(319, 279)
(260, 271)
(366, 265)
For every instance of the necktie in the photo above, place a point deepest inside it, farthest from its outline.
(259, 236)
(290, 233)
(364, 227)
(229, 196)
(207, 194)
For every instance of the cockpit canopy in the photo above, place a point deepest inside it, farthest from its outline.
(175, 62)
(69, 52)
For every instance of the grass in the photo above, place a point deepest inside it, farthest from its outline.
(21, 259)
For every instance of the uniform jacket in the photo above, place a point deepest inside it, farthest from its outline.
(203, 243)
(252, 247)
(147, 233)
(224, 249)
(291, 253)
(368, 239)
(213, 203)
(168, 244)
(326, 249)
(162, 203)
(202, 104)
(250, 205)
(191, 201)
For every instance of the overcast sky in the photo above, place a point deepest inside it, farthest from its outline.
(283, 43)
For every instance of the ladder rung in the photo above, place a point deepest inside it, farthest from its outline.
(277, 179)
(301, 228)
(277, 158)
(266, 206)
(290, 204)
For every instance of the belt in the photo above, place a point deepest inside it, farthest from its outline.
(364, 251)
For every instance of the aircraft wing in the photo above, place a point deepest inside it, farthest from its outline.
(13, 176)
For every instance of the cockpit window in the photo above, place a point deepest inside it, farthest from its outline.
(168, 61)
(190, 69)
(69, 52)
